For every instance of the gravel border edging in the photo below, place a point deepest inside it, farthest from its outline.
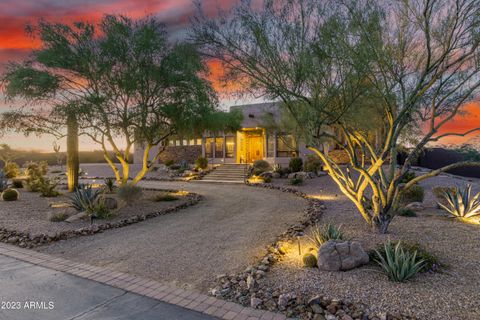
(27, 240)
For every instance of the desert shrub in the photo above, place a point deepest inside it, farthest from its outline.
(319, 235)
(47, 187)
(10, 195)
(17, 183)
(405, 212)
(3, 181)
(84, 197)
(57, 216)
(201, 163)
(296, 181)
(439, 191)
(164, 197)
(129, 192)
(415, 193)
(169, 163)
(461, 204)
(184, 165)
(11, 170)
(35, 172)
(99, 210)
(109, 185)
(260, 166)
(309, 260)
(312, 163)
(285, 171)
(398, 263)
(295, 164)
(409, 175)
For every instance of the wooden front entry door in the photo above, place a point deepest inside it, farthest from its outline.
(254, 148)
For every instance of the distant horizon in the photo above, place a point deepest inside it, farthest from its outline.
(15, 45)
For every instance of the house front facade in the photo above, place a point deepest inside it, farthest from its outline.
(253, 141)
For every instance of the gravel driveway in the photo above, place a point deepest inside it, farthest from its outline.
(224, 233)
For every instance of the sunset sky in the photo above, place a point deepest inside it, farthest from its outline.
(15, 45)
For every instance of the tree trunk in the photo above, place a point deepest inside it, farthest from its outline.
(381, 222)
(73, 164)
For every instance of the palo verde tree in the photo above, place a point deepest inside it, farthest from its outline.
(413, 62)
(51, 86)
(146, 90)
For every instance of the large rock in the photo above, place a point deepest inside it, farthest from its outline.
(336, 255)
(76, 217)
(415, 206)
(301, 175)
(267, 174)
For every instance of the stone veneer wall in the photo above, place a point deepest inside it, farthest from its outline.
(179, 153)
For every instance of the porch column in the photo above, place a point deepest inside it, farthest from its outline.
(224, 146)
(275, 147)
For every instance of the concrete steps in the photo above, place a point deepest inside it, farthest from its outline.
(227, 173)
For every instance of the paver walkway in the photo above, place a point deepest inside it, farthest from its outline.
(42, 287)
(227, 231)
(32, 292)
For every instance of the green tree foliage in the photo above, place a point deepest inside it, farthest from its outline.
(124, 82)
(360, 74)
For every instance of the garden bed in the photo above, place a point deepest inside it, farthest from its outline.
(366, 292)
(26, 222)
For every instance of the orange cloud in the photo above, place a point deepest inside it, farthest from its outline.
(468, 120)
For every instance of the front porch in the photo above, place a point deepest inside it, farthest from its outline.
(248, 145)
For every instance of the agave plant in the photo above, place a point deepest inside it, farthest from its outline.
(3, 181)
(320, 235)
(84, 197)
(277, 168)
(399, 264)
(461, 204)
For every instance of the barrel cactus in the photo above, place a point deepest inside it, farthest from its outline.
(309, 260)
(10, 195)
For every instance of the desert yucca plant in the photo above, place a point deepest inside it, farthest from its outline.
(320, 235)
(461, 204)
(398, 263)
(84, 197)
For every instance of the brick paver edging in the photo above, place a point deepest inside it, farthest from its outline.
(150, 288)
(26, 240)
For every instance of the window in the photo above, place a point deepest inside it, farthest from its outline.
(171, 143)
(184, 142)
(286, 146)
(191, 142)
(219, 147)
(178, 143)
(199, 141)
(209, 147)
(229, 147)
(270, 146)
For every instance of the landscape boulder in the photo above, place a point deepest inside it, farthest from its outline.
(301, 175)
(78, 216)
(336, 255)
(267, 174)
(415, 206)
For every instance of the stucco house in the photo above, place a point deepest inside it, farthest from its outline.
(251, 142)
